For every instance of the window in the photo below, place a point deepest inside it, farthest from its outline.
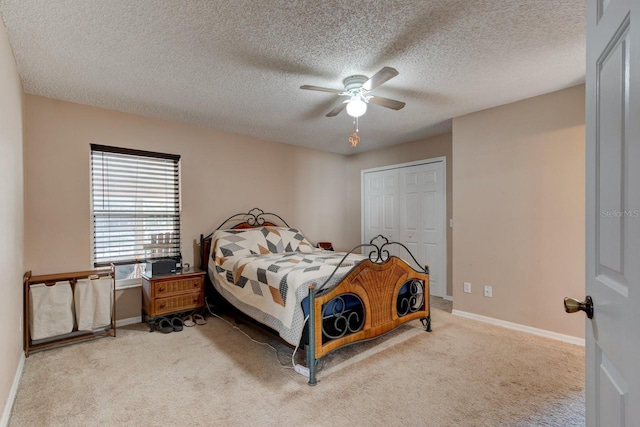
(135, 207)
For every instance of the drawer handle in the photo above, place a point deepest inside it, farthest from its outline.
(161, 289)
(195, 300)
(162, 305)
(196, 284)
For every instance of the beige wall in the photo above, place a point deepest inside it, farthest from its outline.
(11, 219)
(128, 303)
(518, 210)
(222, 174)
(439, 146)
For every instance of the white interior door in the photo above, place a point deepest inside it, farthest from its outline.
(613, 212)
(407, 203)
(422, 224)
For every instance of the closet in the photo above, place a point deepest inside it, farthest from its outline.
(407, 203)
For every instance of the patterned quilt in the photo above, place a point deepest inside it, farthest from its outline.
(266, 271)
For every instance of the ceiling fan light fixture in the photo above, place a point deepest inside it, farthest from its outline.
(356, 107)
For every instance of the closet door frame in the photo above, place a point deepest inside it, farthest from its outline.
(442, 288)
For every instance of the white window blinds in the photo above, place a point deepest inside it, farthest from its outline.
(135, 205)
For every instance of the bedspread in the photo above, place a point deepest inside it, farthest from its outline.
(265, 272)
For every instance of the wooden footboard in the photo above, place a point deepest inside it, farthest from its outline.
(383, 296)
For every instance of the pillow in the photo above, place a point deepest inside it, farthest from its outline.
(229, 243)
(294, 241)
(260, 240)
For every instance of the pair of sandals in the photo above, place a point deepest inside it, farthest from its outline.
(166, 325)
(194, 319)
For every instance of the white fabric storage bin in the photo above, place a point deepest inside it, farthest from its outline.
(50, 310)
(93, 303)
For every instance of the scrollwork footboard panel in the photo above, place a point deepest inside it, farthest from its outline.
(386, 295)
(342, 316)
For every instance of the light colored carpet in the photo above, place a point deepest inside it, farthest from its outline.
(463, 373)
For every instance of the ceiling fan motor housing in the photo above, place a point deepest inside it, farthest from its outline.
(353, 84)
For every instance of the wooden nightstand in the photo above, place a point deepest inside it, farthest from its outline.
(171, 294)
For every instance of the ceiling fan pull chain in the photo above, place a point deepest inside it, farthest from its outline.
(355, 138)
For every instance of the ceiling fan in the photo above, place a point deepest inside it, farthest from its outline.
(357, 88)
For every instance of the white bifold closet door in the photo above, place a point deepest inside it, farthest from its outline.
(407, 203)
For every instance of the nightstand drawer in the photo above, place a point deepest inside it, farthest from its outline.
(178, 303)
(172, 293)
(174, 287)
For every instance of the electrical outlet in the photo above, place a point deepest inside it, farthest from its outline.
(467, 287)
(488, 291)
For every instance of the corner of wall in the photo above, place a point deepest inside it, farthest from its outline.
(11, 223)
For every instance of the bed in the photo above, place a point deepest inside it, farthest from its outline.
(310, 296)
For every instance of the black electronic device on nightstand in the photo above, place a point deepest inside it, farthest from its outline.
(161, 266)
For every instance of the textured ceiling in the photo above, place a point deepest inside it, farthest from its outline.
(237, 65)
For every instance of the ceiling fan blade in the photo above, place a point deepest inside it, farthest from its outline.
(386, 102)
(321, 89)
(386, 73)
(337, 110)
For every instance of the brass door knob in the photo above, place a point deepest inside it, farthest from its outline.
(571, 305)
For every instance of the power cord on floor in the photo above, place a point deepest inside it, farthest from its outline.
(302, 370)
(253, 340)
(293, 355)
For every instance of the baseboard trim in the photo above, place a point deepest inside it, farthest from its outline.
(448, 297)
(523, 328)
(128, 321)
(6, 414)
